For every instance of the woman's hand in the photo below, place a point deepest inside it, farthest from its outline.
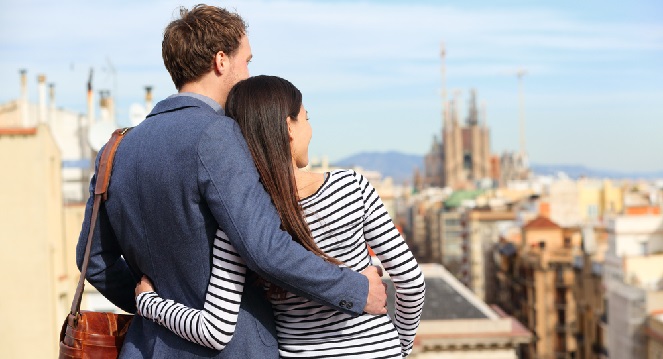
(145, 285)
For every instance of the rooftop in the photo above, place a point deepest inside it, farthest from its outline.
(541, 222)
(446, 298)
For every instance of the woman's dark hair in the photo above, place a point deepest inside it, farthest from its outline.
(261, 105)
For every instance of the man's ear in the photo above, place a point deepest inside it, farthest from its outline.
(220, 62)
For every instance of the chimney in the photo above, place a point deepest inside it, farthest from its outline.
(90, 102)
(25, 118)
(110, 106)
(103, 108)
(41, 79)
(51, 103)
(148, 99)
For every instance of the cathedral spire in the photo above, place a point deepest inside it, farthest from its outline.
(473, 115)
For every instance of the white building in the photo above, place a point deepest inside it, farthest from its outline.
(633, 278)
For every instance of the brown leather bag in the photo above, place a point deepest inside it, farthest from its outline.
(87, 334)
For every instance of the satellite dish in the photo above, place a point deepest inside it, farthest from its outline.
(137, 113)
(99, 134)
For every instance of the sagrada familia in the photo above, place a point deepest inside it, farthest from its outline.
(463, 158)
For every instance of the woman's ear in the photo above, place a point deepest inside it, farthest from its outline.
(288, 120)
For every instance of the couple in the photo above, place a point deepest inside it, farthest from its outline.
(273, 253)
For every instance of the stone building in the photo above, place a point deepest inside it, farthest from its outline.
(535, 282)
(591, 321)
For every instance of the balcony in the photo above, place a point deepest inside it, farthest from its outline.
(580, 338)
(563, 328)
(560, 306)
(561, 283)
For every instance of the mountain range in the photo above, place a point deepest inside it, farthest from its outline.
(401, 166)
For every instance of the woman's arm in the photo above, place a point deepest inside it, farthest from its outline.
(397, 259)
(213, 326)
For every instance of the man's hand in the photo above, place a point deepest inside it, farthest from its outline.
(145, 285)
(377, 291)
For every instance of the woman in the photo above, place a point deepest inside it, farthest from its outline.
(334, 215)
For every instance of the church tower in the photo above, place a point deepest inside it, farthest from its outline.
(463, 156)
(451, 136)
(476, 152)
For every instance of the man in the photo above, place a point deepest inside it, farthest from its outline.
(182, 173)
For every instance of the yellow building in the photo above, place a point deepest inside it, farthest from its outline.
(573, 203)
(612, 199)
(535, 282)
(41, 212)
(35, 268)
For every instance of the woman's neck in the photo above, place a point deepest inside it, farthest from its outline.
(307, 182)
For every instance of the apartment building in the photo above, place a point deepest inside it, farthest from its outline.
(591, 319)
(633, 278)
(535, 281)
(36, 296)
(482, 229)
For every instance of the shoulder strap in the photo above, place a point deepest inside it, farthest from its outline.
(100, 195)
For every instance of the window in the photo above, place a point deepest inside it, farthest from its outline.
(644, 246)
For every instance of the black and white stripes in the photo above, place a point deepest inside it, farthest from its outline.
(344, 215)
(214, 326)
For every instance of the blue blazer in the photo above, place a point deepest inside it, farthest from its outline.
(177, 176)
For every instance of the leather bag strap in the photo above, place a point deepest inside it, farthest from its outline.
(100, 195)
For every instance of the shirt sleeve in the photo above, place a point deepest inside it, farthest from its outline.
(214, 325)
(397, 259)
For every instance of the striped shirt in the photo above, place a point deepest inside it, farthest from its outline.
(344, 215)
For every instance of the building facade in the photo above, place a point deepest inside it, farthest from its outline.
(463, 158)
(482, 229)
(591, 321)
(535, 282)
(633, 277)
(33, 261)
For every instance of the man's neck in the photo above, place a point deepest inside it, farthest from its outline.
(207, 88)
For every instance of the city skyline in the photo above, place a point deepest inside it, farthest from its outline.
(370, 71)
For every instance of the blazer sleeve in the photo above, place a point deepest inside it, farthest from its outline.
(107, 271)
(230, 185)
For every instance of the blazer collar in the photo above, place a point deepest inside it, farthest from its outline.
(180, 101)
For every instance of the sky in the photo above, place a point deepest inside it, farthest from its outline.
(370, 71)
